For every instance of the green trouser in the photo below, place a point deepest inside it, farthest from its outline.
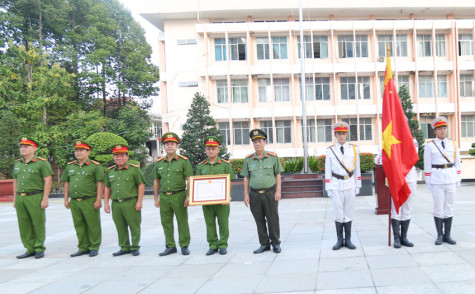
(265, 210)
(173, 205)
(126, 217)
(87, 222)
(221, 212)
(31, 221)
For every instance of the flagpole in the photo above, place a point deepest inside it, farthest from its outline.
(303, 95)
(389, 202)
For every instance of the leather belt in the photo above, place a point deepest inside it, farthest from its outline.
(169, 193)
(262, 191)
(124, 199)
(447, 165)
(342, 177)
(82, 198)
(23, 194)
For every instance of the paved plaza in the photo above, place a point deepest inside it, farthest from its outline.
(307, 263)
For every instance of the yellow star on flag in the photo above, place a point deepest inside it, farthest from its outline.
(388, 139)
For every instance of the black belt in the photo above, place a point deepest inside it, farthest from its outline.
(262, 191)
(124, 199)
(82, 198)
(169, 193)
(29, 193)
(342, 177)
(447, 165)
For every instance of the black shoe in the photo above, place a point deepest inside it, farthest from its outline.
(25, 255)
(79, 253)
(185, 250)
(404, 228)
(438, 226)
(120, 252)
(223, 251)
(135, 252)
(262, 249)
(276, 248)
(168, 250)
(348, 242)
(339, 235)
(211, 251)
(397, 238)
(93, 253)
(447, 229)
(39, 254)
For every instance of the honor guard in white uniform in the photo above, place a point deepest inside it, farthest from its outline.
(342, 182)
(442, 168)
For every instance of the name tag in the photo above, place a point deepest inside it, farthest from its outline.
(203, 171)
(160, 167)
(71, 170)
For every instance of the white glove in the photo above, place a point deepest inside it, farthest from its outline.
(329, 193)
(357, 191)
(429, 186)
(457, 185)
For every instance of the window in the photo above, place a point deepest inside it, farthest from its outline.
(307, 46)
(241, 133)
(239, 91)
(264, 90)
(222, 91)
(366, 129)
(361, 46)
(403, 81)
(465, 44)
(283, 131)
(263, 48)
(310, 130)
(220, 49)
(401, 45)
(157, 129)
(320, 47)
(468, 125)
(441, 86)
(426, 126)
(426, 86)
(345, 46)
(348, 86)
(309, 89)
(322, 88)
(279, 47)
(237, 48)
(424, 45)
(324, 130)
(466, 85)
(440, 45)
(353, 133)
(267, 127)
(281, 90)
(381, 85)
(364, 88)
(225, 132)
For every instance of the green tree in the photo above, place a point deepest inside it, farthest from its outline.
(417, 133)
(9, 151)
(198, 126)
(101, 144)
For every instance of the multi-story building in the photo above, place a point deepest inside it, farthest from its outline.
(244, 56)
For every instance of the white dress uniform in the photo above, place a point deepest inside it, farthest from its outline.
(442, 170)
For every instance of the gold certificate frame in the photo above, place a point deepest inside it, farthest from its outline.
(210, 189)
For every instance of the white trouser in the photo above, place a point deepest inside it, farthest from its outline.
(405, 209)
(343, 205)
(443, 197)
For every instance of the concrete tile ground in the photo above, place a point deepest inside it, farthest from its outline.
(307, 263)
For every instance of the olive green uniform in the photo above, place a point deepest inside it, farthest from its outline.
(216, 211)
(262, 181)
(31, 217)
(83, 181)
(172, 176)
(124, 184)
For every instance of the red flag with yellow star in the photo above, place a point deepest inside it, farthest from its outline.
(399, 154)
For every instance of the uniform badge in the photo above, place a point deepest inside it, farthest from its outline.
(24, 139)
(211, 140)
(169, 136)
(256, 132)
(78, 142)
(118, 147)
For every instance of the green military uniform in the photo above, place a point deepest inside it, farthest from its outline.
(172, 176)
(216, 211)
(124, 184)
(31, 217)
(262, 181)
(83, 181)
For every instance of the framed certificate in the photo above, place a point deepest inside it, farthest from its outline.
(210, 189)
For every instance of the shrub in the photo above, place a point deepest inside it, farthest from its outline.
(293, 165)
(317, 164)
(472, 151)
(100, 146)
(366, 162)
(237, 166)
(147, 173)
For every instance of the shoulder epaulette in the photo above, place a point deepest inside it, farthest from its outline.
(227, 161)
(249, 155)
(160, 159)
(202, 162)
(185, 158)
(330, 146)
(431, 140)
(112, 166)
(19, 159)
(95, 162)
(41, 158)
(72, 162)
(134, 165)
(272, 153)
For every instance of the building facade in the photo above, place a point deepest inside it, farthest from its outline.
(247, 63)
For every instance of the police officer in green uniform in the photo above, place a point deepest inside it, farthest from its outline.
(125, 185)
(212, 166)
(31, 187)
(169, 189)
(261, 171)
(83, 181)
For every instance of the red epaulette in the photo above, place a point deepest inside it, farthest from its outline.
(112, 166)
(185, 158)
(95, 162)
(272, 153)
(160, 159)
(134, 165)
(41, 158)
(247, 156)
(72, 162)
(202, 162)
(227, 161)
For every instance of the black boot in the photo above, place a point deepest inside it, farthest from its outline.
(397, 238)
(339, 235)
(404, 228)
(447, 227)
(348, 242)
(438, 227)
